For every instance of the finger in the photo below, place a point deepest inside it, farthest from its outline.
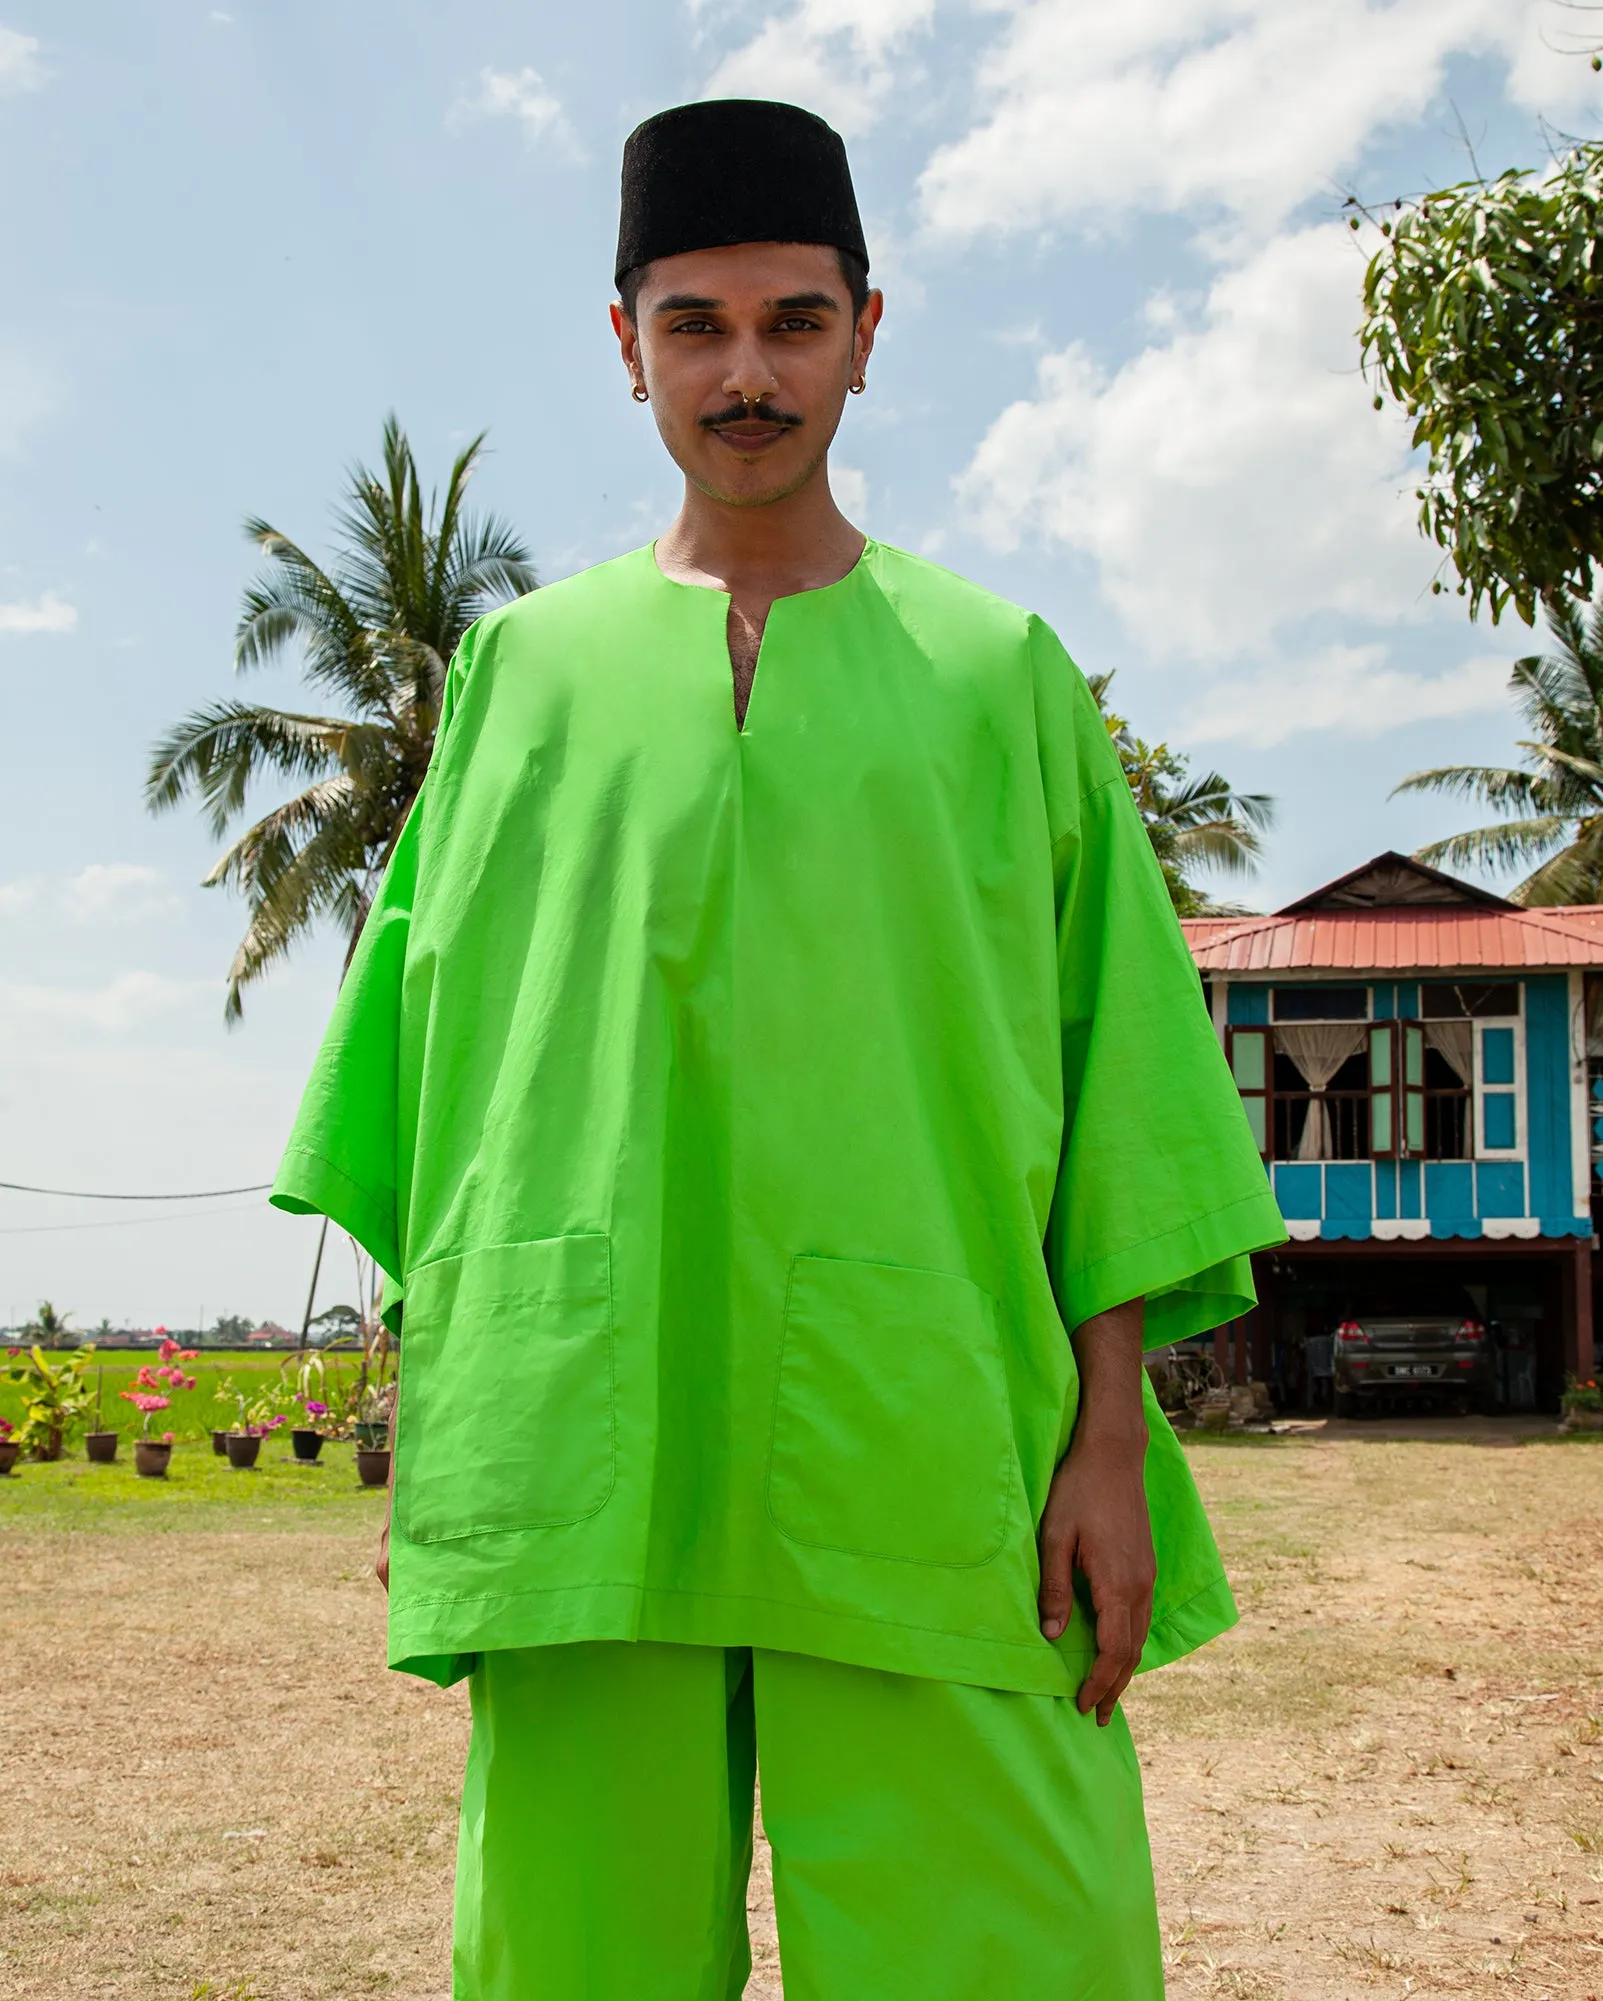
(1109, 1671)
(1056, 1597)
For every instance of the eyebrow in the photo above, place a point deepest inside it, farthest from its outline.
(693, 302)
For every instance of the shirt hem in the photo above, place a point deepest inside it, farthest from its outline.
(309, 1183)
(440, 1640)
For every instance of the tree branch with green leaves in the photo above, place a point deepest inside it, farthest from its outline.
(1483, 319)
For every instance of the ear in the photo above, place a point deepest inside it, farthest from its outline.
(863, 336)
(628, 340)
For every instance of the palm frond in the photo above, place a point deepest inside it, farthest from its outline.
(1501, 788)
(1503, 846)
(1573, 876)
(217, 752)
(1225, 843)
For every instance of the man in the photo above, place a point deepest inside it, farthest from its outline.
(772, 1035)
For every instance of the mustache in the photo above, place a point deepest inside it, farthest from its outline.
(746, 413)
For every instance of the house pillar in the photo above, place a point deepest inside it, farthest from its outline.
(1239, 1373)
(1578, 1335)
(1221, 1349)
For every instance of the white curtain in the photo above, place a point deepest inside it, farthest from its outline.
(1454, 1041)
(1319, 1049)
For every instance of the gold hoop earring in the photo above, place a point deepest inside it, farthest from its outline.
(858, 386)
(640, 393)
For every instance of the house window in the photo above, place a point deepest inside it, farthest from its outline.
(1320, 1003)
(1497, 1080)
(1327, 1083)
(1469, 999)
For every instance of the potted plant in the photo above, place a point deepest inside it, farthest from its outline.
(1582, 1405)
(306, 1440)
(9, 1448)
(254, 1418)
(55, 1397)
(151, 1455)
(100, 1444)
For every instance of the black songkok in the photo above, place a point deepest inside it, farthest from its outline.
(734, 170)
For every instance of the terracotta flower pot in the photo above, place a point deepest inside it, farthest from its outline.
(10, 1451)
(1583, 1420)
(220, 1444)
(306, 1442)
(101, 1446)
(243, 1447)
(150, 1457)
(373, 1465)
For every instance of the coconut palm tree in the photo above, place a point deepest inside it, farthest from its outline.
(1553, 806)
(1192, 823)
(377, 629)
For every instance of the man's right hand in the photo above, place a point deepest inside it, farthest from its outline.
(381, 1567)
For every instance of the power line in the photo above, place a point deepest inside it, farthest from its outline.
(128, 1223)
(92, 1195)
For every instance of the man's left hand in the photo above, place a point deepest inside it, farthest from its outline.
(1096, 1518)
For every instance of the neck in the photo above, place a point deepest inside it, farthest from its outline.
(799, 543)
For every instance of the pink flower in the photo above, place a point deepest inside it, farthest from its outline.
(189, 1382)
(168, 1348)
(187, 1354)
(316, 1409)
(6, 1427)
(167, 1437)
(143, 1401)
(13, 1351)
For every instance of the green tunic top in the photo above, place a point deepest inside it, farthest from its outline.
(747, 1112)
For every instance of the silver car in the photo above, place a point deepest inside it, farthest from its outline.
(1446, 1359)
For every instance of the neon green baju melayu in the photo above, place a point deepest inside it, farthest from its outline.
(746, 1114)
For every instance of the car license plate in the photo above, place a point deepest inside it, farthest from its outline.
(1415, 1369)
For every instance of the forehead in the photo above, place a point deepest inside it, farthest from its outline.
(747, 274)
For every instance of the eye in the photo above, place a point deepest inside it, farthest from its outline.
(796, 323)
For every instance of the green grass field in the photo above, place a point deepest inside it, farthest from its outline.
(196, 1413)
(199, 1491)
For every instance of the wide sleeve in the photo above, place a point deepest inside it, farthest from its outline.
(1160, 1190)
(343, 1159)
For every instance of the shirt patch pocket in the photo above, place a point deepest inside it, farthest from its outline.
(892, 1435)
(506, 1404)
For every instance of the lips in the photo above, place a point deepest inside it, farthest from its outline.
(749, 437)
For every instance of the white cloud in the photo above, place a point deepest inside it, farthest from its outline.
(123, 1003)
(519, 94)
(850, 488)
(1230, 479)
(118, 893)
(1245, 106)
(49, 614)
(20, 67)
(840, 58)
(15, 896)
(1354, 691)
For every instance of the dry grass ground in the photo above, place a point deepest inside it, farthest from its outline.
(1387, 1782)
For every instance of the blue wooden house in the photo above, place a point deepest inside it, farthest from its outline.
(1422, 1064)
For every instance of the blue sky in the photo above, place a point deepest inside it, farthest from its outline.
(1116, 382)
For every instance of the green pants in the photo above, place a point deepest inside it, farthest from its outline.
(931, 1841)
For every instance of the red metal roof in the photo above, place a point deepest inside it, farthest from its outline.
(1410, 939)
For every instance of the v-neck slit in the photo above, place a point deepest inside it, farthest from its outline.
(742, 719)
